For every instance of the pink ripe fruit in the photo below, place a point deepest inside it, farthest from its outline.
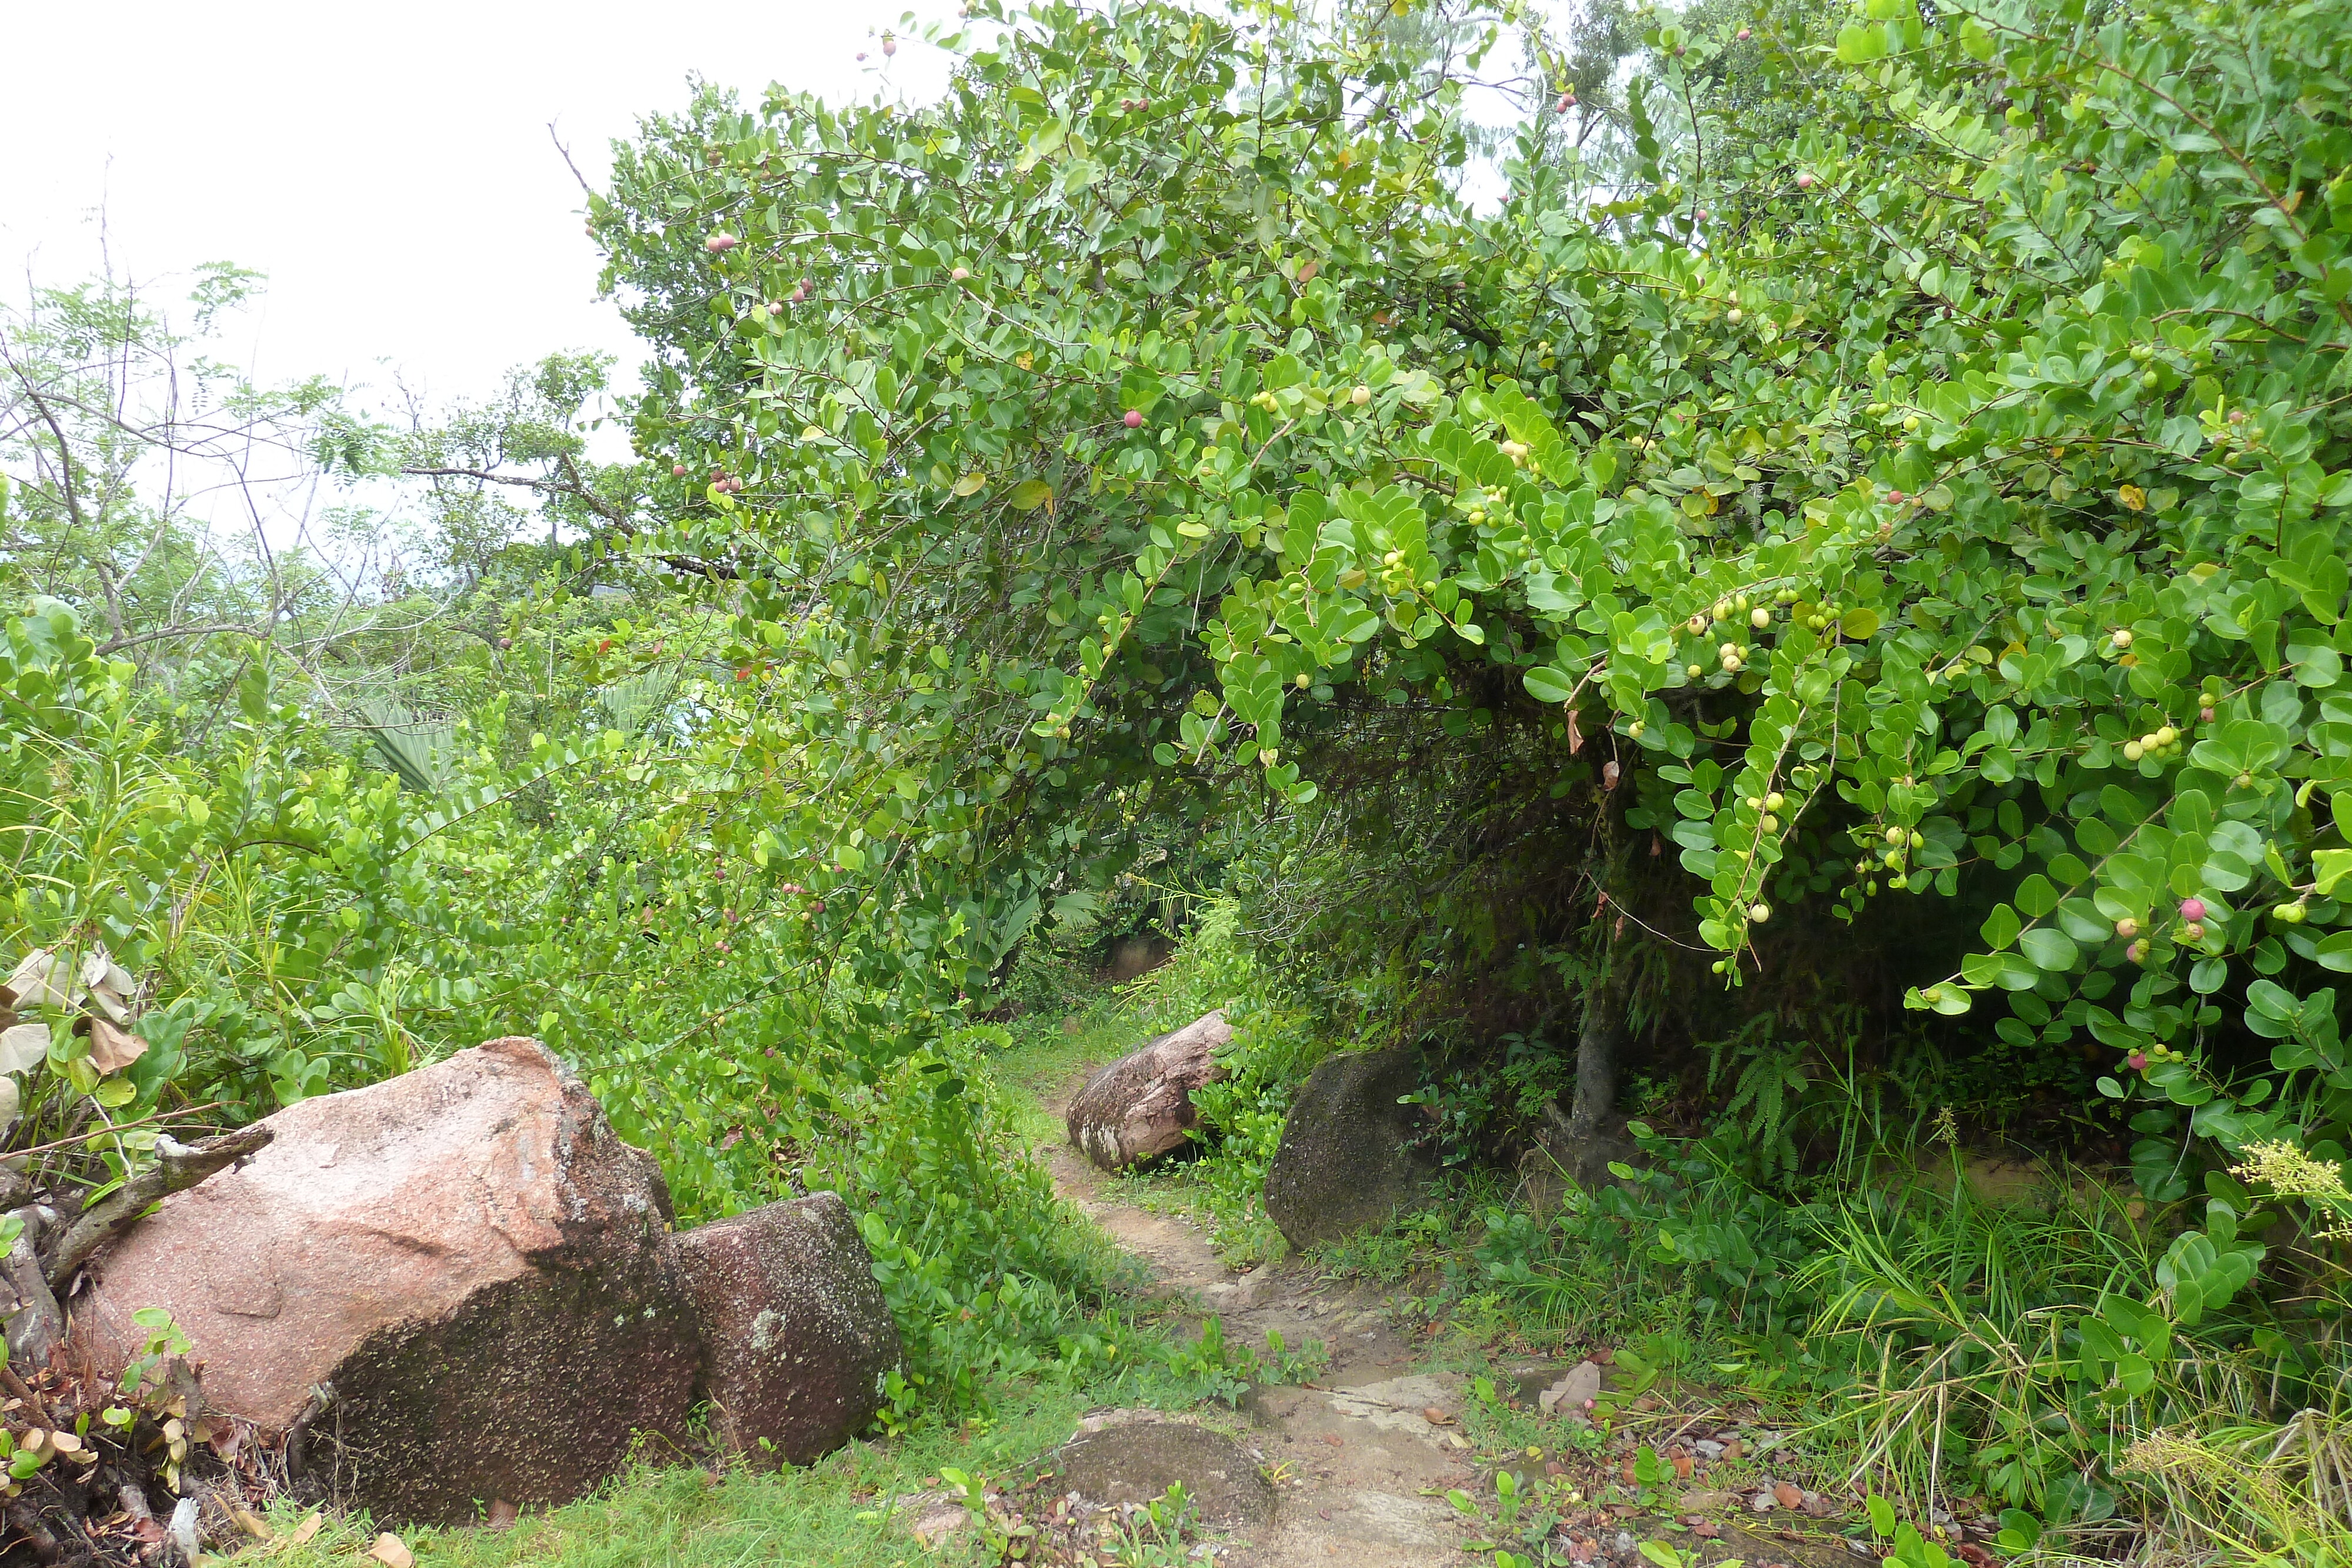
(2204, 715)
(720, 243)
(2136, 1061)
(1744, 34)
(678, 470)
(2192, 909)
(1805, 180)
(1566, 102)
(1896, 496)
(1134, 419)
(889, 45)
(775, 307)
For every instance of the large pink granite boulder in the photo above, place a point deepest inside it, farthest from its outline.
(453, 1288)
(797, 1339)
(1141, 1106)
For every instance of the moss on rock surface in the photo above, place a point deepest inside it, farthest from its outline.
(1347, 1159)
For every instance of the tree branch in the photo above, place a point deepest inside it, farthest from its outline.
(178, 1167)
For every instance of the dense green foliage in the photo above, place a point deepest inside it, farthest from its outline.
(1841, 560)
(1935, 503)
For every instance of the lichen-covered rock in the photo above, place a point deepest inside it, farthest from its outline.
(797, 1339)
(1347, 1161)
(1141, 1105)
(452, 1286)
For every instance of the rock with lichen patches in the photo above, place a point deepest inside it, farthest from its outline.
(454, 1285)
(797, 1339)
(1348, 1160)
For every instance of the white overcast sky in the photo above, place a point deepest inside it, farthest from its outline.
(389, 167)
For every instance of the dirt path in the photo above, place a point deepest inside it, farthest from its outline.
(1363, 1457)
(1354, 1456)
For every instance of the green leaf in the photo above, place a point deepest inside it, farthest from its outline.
(2050, 950)
(2035, 897)
(2000, 927)
(1547, 684)
(1030, 494)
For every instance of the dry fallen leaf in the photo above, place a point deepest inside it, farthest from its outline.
(1788, 1494)
(389, 1552)
(252, 1523)
(39, 980)
(24, 1047)
(1335, 1439)
(306, 1529)
(111, 1049)
(502, 1515)
(1436, 1417)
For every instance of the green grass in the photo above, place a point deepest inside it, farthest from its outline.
(670, 1515)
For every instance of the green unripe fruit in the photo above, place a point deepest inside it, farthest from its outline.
(2133, 751)
(1759, 618)
(1894, 860)
(1694, 670)
(1918, 840)
(1893, 835)
(1770, 823)
(2141, 353)
(1899, 882)
(2150, 380)
(1775, 801)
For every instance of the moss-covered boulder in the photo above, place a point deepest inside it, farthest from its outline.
(1348, 1160)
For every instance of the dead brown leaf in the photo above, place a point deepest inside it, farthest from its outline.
(390, 1550)
(111, 1049)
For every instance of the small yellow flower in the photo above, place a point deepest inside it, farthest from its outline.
(1022, 359)
(2133, 497)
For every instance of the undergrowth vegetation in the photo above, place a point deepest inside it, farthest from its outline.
(1804, 636)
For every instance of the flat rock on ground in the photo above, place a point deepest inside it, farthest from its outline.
(1135, 1461)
